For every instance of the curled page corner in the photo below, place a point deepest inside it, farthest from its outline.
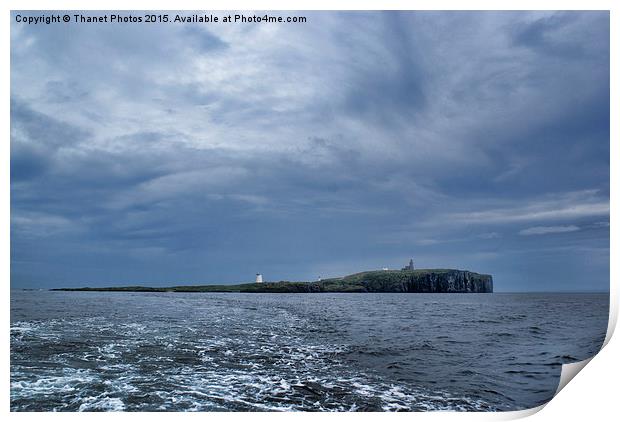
(520, 414)
(569, 370)
(613, 317)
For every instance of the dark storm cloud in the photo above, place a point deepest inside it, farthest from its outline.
(168, 154)
(396, 85)
(36, 140)
(203, 40)
(564, 34)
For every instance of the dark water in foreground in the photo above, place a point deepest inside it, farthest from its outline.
(368, 352)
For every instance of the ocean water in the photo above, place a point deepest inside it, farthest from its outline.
(85, 351)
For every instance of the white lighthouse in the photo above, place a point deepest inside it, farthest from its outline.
(259, 278)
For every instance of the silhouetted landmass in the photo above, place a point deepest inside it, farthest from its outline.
(403, 281)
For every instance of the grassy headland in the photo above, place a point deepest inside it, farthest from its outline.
(394, 281)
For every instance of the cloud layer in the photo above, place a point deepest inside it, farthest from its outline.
(538, 230)
(168, 154)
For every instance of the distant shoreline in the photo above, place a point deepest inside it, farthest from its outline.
(385, 281)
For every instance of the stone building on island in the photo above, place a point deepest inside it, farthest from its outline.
(409, 267)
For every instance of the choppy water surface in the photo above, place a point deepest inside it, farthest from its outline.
(367, 352)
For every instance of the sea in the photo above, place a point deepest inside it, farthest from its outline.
(122, 351)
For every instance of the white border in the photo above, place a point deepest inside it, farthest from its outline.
(592, 395)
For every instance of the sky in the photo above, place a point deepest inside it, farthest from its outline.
(169, 154)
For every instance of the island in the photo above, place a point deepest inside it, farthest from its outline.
(383, 281)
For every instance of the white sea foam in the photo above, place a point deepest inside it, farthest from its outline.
(101, 403)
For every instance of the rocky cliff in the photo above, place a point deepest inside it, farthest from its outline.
(423, 281)
(416, 281)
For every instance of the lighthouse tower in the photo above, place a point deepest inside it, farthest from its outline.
(409, 267)
(259, 278)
